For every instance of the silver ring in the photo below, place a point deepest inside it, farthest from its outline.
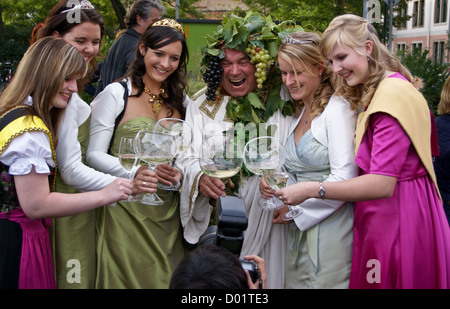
(144, 184)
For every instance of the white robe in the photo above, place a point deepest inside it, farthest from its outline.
(261, 237)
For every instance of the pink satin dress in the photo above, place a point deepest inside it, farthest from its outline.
(402, 241)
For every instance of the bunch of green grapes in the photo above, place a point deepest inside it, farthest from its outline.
(261, 58)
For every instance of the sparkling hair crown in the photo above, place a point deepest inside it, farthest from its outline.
(81, 5)
(288, 39)
(168, 22)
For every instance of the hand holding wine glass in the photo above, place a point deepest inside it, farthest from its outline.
(154, 148)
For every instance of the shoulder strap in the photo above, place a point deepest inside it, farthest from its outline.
(120, 116)
(125, 99)
(17, 121)
(11, 115)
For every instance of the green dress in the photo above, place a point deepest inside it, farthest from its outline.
(138, 245)
(73, 237)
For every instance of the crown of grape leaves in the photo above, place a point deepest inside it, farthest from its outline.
(258, 36)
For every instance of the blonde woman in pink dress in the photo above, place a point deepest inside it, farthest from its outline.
(401, 236)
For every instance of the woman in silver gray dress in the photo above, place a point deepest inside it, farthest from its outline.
(319, 148)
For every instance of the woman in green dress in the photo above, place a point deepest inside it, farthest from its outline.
(139, 245)
(73, 237)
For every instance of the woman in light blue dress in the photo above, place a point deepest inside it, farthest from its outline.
(319, 147)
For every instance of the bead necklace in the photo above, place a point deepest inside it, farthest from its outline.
(155, 100)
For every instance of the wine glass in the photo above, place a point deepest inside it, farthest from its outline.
(265, 156)
(277, 180)
(182, 131)
(154, 148)
(220, 157)
(128, 159)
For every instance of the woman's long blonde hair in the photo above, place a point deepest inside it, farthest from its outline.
(353, 31)
(40, 74)
(305, 50)
(444, 103)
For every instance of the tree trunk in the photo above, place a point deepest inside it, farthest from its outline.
(120, 12)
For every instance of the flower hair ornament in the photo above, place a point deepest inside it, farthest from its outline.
(168, 22)
(78, 5)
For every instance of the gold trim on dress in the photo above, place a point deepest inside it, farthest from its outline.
(206, 105)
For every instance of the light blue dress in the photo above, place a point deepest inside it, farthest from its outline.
(319, 257)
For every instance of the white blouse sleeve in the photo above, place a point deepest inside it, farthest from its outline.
(30, 149)
(105, 108)
(336, 130)
(68, 152)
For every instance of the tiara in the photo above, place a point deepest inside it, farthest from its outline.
(81, 5)
(288, 39)
(168, 22)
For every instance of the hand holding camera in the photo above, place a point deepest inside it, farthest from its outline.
(255, 268)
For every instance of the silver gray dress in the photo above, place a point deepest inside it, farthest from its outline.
(319, 257)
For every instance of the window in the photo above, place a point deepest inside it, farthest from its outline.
(440, 11)
(416, 45)
(439, 51)
(418, 13)
(401, 46)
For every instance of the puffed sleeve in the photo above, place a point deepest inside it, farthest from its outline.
(106, 106)
(30, 149)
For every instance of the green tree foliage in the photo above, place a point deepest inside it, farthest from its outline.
(313, 15)
(433, 74)
(19, 17)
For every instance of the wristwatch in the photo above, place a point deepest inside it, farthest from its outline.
(321, 191)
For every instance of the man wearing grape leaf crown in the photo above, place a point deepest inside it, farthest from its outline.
(243, 90)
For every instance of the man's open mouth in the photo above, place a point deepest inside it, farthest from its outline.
(237, 82)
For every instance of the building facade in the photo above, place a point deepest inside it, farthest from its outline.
(428, 29)
(214, 9)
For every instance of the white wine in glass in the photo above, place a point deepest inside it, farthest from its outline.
(128, 159)
(276, 180)
(220, 170)
(263, 156)
(220, 157)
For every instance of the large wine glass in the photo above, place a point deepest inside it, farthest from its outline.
(182, 131)
(265, 156)
(220, 157)
(128, 159)
(154, 148)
